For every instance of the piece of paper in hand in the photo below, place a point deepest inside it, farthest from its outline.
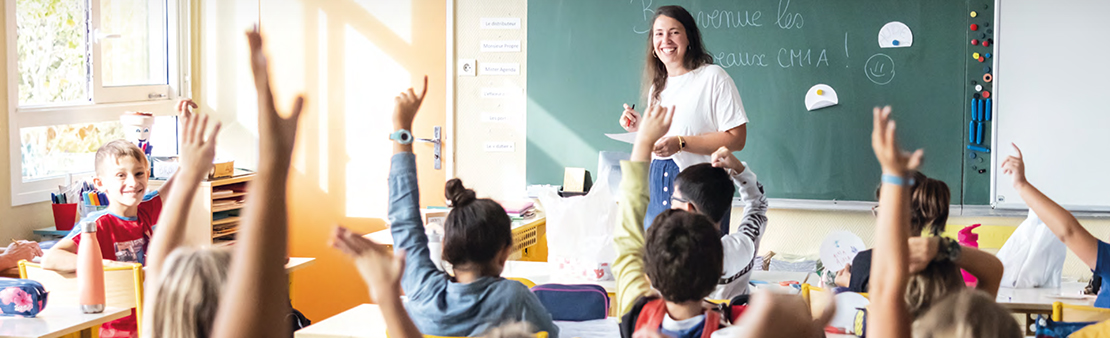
(839, 248)
(623, 137)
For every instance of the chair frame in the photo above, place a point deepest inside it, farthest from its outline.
(136, 271)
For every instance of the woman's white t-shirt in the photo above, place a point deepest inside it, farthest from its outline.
(706, 100)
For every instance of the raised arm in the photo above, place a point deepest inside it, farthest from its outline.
(406, 226)
(1059, 220)
(183, 106)
(889, 316)
(197, 152)
(628, 236)
(754, 222)
(256, 300)
(382, 271)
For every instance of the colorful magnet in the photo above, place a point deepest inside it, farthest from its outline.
(987, 110)
(971, 155)
(986, 43)
(987, 77)
(986, 94)
(979, 149)
(971, 132)
(974, 27)
(978, 88)
(981, 58)
(974, 42)
(979, 133)
(987, 69)
(988, 55)
(974, 14)
(974, 109)
(974, 55)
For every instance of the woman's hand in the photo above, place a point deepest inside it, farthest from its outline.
(666, 146)
(630, 119)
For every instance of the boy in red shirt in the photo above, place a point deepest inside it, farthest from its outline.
(123, 229)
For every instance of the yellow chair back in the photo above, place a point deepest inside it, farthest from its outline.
(1078, 313)
(524, 281)
(123, 286)
(817, 298)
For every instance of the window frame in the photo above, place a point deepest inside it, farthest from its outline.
(107, 103)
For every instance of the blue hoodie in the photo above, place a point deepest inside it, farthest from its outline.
(438, 305)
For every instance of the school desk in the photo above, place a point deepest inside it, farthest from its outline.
(50, 233)
(1038, 301)
(57, 321)
(366, 321)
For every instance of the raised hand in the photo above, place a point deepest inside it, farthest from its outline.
(197, 150)
(892, 158)
(276, 134)
(654, 124)
(185, 108)
(723, 158)
(1015, 167)
(408, 103)
(630, 119)
(379, 267)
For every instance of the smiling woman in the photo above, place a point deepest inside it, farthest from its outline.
(708, 114)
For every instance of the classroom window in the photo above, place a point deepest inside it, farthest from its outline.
(80, 64)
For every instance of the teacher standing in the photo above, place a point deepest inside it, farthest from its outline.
(708, 112)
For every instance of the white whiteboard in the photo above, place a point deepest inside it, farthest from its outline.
(1051, 85)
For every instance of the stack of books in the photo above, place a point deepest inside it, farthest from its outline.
(522, 209)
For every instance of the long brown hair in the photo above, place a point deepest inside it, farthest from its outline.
(655, 72)
(929, 200)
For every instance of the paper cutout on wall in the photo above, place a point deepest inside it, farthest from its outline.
(895, 34)
(821, 96)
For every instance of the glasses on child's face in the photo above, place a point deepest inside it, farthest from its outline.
(875, 210)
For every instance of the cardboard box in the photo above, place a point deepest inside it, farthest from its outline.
(221, 169)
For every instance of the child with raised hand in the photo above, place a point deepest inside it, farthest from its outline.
(681, 253)
(477, 242)
(256, 297)
(185, 284)
(889, 315)
(1092, 251)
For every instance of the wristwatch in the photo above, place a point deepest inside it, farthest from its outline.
(681, 143)
(401, 136)
(88, 227)
(948, 249)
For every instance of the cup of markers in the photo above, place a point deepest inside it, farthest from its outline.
(93, 201)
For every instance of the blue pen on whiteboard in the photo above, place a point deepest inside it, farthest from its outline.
(971, 132)
(988, 111)
(979, 133)
(979, 149)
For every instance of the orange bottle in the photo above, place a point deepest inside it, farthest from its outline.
(90, 271)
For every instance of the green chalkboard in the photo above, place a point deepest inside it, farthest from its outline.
(585, 58)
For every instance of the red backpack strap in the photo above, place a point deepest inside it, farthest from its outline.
(712, 323)
(651, 316)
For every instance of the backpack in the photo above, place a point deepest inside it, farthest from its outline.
(649, 312)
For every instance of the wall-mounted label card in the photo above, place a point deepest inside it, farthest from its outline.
(500, 46)
(500, 147)
(468, 67)
(500, 23)
(498, 92)
(507, 68)
(496, 118)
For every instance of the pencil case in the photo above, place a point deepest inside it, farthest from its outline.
(573, 302)
(21, 297)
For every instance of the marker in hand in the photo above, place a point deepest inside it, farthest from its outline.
(629, 123)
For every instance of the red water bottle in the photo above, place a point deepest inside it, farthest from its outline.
(90, 271)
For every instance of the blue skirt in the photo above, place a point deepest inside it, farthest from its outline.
(661, 186)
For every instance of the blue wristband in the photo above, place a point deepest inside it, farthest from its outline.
(895, 180)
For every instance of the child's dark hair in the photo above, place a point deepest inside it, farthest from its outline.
(708, 188)
(929, 200)
(683, 255)
(476, 229)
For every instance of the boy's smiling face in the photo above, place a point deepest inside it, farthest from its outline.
(124, 179)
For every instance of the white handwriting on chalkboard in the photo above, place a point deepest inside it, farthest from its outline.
(787, 20)
(727, 60)
(798, 57)
(719, 18)
(648, 14)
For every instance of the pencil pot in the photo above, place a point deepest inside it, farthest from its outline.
(65, 215)
(88, 209)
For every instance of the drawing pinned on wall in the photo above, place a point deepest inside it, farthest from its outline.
(895, 34)
(879, 69)
(821, 96)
